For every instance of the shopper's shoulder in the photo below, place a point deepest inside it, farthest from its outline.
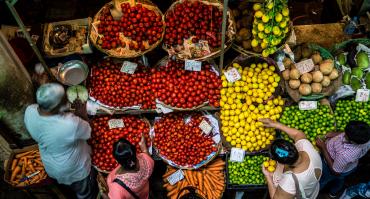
(31, 109)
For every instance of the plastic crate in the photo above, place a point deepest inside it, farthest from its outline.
(246, 186)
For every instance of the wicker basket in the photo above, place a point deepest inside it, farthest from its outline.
(125, 52)
(163, 62)
(328, 91)
(230, 34)
(210, 157)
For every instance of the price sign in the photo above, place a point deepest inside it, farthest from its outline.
(305, 66)
(237, 155)
(281, 66)
(193, 65)
(232, 75)
(307, 105)
(128, 67)
(205, 126)
(362, 95)
(176, 177)
(115, 123)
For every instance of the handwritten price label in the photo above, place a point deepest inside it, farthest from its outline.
(206, 127)
(128, 67)
(232, 75)
(305, 66)
(307, 105)
(193, 65)
(115, 123)
(176, 177)
(362, 95)
(237, 155)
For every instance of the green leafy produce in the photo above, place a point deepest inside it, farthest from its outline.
(362, 60)
(312, 122)
(350, 110)
(248, 172)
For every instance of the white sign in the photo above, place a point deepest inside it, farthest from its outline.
(307, 105)
(206, 128)
(175, 177)
(237, 155)
(362, 95)
(232, 75)
(193, 65)
(305, 66)
(115, 123)
(128, 67)
(281, 66)
(162, 109)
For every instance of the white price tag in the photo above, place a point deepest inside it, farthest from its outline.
(128, 67)
(362, 95)
(115, 123)
(193, 65)
(216, 138)
(232, 75)
(307, 105)
(206, 128)
(237, 155)
(176, 177)
(281, 66)
(305, 66)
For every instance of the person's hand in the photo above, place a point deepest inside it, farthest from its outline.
(267, 174)
(142, 144)
(331, 135)
(320, 143)
(268, 122)
(80, 109)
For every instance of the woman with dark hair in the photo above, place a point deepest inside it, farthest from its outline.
(299, 165)
(131, 178)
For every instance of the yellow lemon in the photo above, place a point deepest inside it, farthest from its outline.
(265, 18)
(260, 27)
(270, 6)
(233, 143)
(276, 30)
(257, 6)
(228, 139)
(278, 17)
(272, 162)
(258, 14)
(254, 43)
(283, 24)
(285, 12)
(266, 164)
(271, 169)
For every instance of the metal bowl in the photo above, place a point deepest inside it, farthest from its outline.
(72, 72)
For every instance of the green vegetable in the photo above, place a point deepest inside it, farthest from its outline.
(367, 80)
(313, 123)
(349, 110)
(247, 172)
(357, 72)
(355, 83)
(341, 59)
(347, 77)
(362, 60)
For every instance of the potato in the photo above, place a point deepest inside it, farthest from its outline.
(316, 87)
(316, 58)
(327, 66)
(294, 74)
(306, 78)
(334, 74)
(325, 81)
(317, 76)
(285, 74)
(294, 83)
(305, 89)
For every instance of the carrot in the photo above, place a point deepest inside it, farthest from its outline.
(35, 179)
(219, 164)
(208, 189)
(24, 165)
(19, 155)
(189, 177)
(15, 173)
(212, 174)
(166, 175)
(215, 169)
(171, 193)
(200, 180)
(14, 164)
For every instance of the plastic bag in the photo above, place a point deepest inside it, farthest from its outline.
(342, 92)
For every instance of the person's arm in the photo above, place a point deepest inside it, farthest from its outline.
(143, 146)
(332, 134)
(275, 193)
(295, 134)
(324, 151)
(80, 109)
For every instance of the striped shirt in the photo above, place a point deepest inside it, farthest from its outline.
(344, 154)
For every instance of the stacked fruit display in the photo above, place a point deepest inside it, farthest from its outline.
(313, 123)
(177, 87)
(118, 89)
(193, 22)
(103, 137)
(248, 172)
(270, 165)
(181, 140)
(247, 100)
(354, 63)
(270, 25)
(316, 81)
(350, 110)
(140, 27)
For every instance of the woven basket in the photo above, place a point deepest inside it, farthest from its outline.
(125, 52)
(230, 33)
(328, 91)
(163, 62)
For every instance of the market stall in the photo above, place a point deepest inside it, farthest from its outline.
(199, 118)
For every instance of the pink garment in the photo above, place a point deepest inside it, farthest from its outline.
(344, 154)
(137, 182)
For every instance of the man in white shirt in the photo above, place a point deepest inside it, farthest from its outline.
(62, 139)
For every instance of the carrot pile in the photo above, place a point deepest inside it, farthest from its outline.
(24, 165)
(209, 180)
